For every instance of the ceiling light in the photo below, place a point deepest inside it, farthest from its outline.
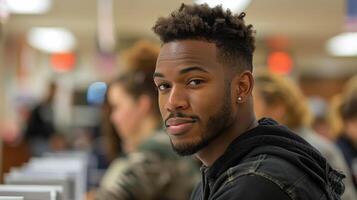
(51, 40)
(233, 5)
(28, 6)
(343, 44)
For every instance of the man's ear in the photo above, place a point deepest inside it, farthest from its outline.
(243, 86)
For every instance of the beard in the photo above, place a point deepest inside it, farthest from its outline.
(216, 125)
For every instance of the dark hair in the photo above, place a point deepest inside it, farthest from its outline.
(112, 141)
(232, 37)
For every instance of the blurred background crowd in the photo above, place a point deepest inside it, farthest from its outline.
(75, 77)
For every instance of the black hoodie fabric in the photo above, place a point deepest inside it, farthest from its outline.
(270, 162)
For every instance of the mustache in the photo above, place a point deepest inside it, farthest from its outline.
(180, 115)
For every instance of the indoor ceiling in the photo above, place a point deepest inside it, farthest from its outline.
(302, 26)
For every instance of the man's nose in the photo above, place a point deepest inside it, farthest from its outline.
(177, 100)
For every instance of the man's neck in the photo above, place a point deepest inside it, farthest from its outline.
(217, 147)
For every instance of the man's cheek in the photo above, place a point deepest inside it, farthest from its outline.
(205, 102)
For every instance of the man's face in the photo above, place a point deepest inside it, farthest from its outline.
(194, 94)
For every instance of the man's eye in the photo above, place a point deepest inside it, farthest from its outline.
(195, 82)
(163, 87)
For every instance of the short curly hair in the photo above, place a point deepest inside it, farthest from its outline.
(233, 38)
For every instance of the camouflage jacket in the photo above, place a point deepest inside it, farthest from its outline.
(153, 172)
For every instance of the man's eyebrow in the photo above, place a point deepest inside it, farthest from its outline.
(157, 74)
(193, 68)
(182, 71)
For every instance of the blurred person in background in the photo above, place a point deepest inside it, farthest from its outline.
(279, 98)
(322, 126)
(149, 169)
(40, 126)
(347, 140)
(320, 121)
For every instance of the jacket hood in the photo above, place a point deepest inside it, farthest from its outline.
(293, 149)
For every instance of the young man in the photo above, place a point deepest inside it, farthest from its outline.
(204, 78)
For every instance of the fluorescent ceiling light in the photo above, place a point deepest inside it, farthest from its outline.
(233, 5)
(51, 40)
(28, 6)
(344, 44)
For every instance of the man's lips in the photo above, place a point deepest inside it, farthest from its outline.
(179, 125)
(175, 121)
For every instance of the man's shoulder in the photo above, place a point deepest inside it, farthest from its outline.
(261, 163)
(245, 187)
(272, 172)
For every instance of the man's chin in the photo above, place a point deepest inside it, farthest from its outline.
(186, 149)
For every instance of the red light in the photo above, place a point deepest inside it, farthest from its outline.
(63, 62)
(280, 62)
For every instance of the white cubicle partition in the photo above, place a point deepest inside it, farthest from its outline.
(30, 192)
(66, 169)
(71, 166)
(11, 198)
(50, 179)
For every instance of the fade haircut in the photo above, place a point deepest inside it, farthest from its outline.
(233, 38)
